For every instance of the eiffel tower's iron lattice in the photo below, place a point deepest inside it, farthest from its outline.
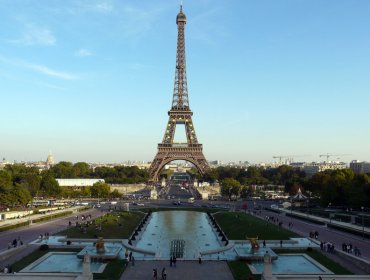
(180, 113)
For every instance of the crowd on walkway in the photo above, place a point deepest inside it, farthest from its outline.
(15, 243)
(349, 248)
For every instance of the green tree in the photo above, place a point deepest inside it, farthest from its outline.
(5, 181)
(100, 189)
(230, 187)
(81, 170)
(50, 186)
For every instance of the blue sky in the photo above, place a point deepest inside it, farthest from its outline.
(92, 80)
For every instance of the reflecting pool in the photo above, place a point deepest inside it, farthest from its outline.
(61, 262)
(168, 228)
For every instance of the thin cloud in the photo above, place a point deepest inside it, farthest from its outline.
(39, 68)
(50, 72)
(36, 35)
(83, 53)
(102, 6)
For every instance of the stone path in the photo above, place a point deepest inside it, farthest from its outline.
(184, 270)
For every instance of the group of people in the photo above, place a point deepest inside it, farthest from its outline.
(44, 236)
(327, 247)
(314, 234)
(348, 248)
(15, 243)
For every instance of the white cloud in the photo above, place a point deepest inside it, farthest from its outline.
(104, 7)
(50, 72)
(83, 53)
(36, 35)
(101, 6)
(39, 68)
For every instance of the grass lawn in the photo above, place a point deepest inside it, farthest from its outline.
(113, 225)
(240, 270)
(239, 225)
(322, 259)
(27, 260)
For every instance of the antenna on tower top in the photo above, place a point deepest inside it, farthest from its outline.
(180, 5)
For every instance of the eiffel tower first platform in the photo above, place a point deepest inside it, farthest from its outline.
(180, 113)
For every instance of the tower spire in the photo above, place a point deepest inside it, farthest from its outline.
(180, 93)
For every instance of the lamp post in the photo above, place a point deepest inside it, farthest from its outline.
(329, 212)
(363, 228)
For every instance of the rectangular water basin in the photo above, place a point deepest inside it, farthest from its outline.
(292, 264)
(61, 262)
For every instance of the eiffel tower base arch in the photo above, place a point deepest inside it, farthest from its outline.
(166, 153)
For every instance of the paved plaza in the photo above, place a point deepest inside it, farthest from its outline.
(183, 270)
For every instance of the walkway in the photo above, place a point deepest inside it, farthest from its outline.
(184, 270)
(30, 233)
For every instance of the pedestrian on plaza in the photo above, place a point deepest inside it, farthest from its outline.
(155, 274)
(320, 278)
(264, 243)
(200, 258)
(171, 260)
(174, 261)
(133, 260)
(281, 243)
(130, 256)
(164, 274)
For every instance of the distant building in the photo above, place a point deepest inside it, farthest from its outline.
(49, 160)
(78, 183)
(315, 167)
(359, 167)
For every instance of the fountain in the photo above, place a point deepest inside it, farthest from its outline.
(254, 252)
(100, 251)
(100, 248)
(254, 243)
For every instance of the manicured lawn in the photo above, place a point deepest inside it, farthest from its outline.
(322, 259)
(240, 270)
(239, 225)
(112, 271)
(27, 260)
(113, 225)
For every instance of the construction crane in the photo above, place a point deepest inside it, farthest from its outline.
(327, 155)
(289, 157)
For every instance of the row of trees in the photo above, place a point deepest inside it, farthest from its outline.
(112, 175)
(19, 184)
(339, 187)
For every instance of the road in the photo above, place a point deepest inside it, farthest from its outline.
(326, 234)
(30, 233)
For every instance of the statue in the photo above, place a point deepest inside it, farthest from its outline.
(254, 243)
(100, 245)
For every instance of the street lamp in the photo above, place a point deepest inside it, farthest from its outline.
(363, 229)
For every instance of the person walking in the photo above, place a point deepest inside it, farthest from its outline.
(164, 274)
(133, 260)
(155, 274)
(174, 261)
(171, 260)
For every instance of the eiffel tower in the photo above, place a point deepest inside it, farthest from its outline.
(180, 113)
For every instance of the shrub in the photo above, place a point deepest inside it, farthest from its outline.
(44, 247)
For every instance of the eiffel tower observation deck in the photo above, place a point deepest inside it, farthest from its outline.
(180, 113)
